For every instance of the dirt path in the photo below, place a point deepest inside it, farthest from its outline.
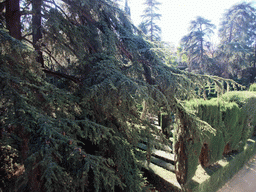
(244, 180)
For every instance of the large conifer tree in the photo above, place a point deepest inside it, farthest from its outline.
(195, 43)
(237, 36)
(74, 125)
(13, 18)
(37, 28)
(150, 16)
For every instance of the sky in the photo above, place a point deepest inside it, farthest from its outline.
(177, 14)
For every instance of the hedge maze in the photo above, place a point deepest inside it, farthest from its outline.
(223, 127)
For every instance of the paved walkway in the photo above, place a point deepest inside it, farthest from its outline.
(244, 180)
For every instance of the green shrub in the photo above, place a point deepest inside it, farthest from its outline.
(252, 87)
(239, 97)
(139, 107)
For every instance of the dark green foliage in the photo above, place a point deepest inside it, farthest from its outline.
(49, 129)
(76, 128)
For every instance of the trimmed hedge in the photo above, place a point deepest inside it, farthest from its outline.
(247, 102)
(233, 116)
(223, 116)
(166, 122)
(252, 87)
(224, 126)
(212, 178)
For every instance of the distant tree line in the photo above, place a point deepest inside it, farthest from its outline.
(236, 51)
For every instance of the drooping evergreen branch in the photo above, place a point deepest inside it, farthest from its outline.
(84, 138)
(62, 75)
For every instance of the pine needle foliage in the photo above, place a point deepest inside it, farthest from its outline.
(81, 134)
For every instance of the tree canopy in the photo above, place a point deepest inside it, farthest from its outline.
(197, 41)
(237, 36)
(150, 16)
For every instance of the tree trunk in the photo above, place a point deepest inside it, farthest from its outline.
(151, 29)
(37, 29)
(13, 18)
(201, 49)
(230, 33)
(202, 55)
(145, 110)
(151, 22)
(254, 61)
(181, 163)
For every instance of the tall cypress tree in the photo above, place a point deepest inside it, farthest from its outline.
(195, 43)
(150, 17)
(127, 8)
